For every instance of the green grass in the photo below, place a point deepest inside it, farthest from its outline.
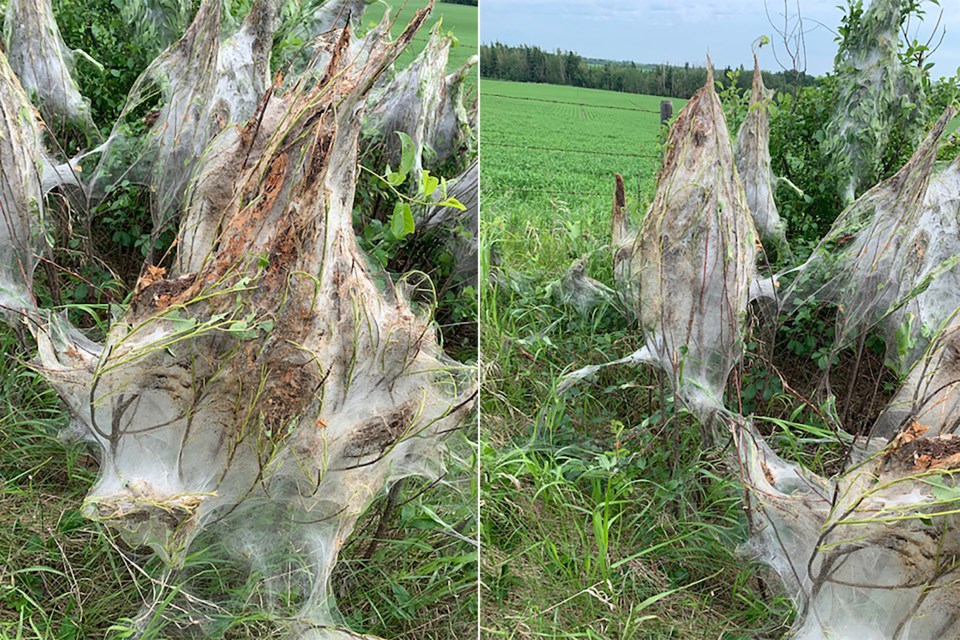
(601, 516)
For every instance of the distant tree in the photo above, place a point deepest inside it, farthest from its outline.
(527, 63)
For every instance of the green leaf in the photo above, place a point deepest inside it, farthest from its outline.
(905, 335)
(428, 183)
(238, 326)
(943, 492)
(181, 324)
(394, 179)
(241, 330)
(401, 222)
(407, 154)
(452, 202)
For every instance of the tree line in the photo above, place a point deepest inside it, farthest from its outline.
(531, 64)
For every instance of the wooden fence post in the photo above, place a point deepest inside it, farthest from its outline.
(666, 111)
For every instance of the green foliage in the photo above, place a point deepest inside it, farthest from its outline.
(159, 22)
(853, 34)
(735, 100)
(124, 215)
(384, 211)
(100, 28)
(880, 94)
(799, 128)
(401, 223)
(395, 244)
(796, 131)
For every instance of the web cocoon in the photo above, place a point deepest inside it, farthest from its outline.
(870, 554)
(214, 184)
(876, 260)
(937, 281)
(929, 398)
(190, 93)
(26, 174)
(270, 387)
(158, 22)
(425, 103)
(578, 290)
(687, 274)
(322, 17)
(44, 65)
(318, 17)
(21, 194)
(331, 15)
(752, 153)
(313, 24)
(874, 91)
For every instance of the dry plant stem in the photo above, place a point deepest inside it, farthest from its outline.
(622, 240)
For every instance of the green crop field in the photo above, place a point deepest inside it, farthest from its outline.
(545, 143)
(600, 517)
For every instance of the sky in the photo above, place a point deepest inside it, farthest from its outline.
(680, 31)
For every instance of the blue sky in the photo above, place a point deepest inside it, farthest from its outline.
(679, 31)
